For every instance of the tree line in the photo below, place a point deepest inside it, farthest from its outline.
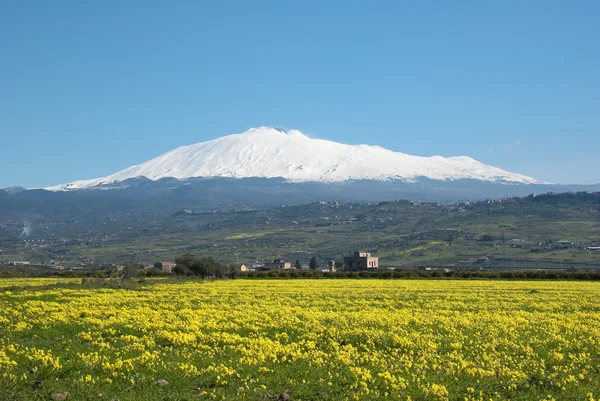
(190, 265)
(433, 274)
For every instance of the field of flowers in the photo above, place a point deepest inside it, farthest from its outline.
(310, 339)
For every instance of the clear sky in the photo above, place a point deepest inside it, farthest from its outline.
(90, 87)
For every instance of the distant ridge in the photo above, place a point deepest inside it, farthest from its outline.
(268, 152)
(14, 190)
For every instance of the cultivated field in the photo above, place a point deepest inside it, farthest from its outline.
(312, 339)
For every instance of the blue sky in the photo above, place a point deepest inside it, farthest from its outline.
(88, 88)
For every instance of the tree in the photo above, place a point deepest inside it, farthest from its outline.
(112, 271)
(486, 238)
(186, 260)
(182, 270)
(313, 263)
(298, 265)
(130, 271)
(452, 235)
(203, 267)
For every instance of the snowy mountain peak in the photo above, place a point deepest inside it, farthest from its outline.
(264, 130)
(275, 152)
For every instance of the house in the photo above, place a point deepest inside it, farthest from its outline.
(165, 266)
(278, 264)
(361, 261)
(592, 248)
(483, 259)
(241, 268)
(19, 263)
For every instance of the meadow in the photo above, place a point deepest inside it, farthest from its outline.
(310, 339)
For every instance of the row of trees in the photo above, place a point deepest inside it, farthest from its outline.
(192, 265)
(314, 264)
(440, 274)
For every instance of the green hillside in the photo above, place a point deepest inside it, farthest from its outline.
(529, 232)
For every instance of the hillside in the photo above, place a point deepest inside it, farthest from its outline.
(517, 232)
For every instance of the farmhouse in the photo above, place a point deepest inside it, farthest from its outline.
(19, 263)
(361, 261)
(241, 268)
(165, 266)
(278, 264)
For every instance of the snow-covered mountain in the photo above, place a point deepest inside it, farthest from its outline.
(273, 152)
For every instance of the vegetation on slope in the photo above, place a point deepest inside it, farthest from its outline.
(516, 232)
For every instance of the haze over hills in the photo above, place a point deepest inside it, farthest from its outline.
(13, 190)
(267, 152)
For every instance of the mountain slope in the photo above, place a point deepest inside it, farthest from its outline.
(272, 152)
(13, 190)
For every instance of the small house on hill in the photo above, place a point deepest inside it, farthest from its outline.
(361, 261)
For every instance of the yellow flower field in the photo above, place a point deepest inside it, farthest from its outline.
(311, 339)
